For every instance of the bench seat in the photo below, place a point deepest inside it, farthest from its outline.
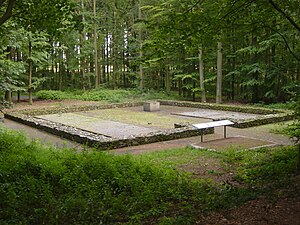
(218, 123)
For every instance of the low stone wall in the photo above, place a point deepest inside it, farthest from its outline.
(266, 116)
(181, 130)
(262, 120)
(103, 142)
(76, 108)
(233, 108)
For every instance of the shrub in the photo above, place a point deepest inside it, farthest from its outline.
(43, 185)
(52, 95)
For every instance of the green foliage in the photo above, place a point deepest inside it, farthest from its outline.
(293, 130)
(52, 95)
(10, 73)
(40, 184)
(264, 167)
(44, 185)
(104, 95)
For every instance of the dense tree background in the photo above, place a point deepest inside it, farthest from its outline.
(153, 44)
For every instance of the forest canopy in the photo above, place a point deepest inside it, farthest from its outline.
(233, 50)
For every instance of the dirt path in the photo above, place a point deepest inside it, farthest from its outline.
(255, 136)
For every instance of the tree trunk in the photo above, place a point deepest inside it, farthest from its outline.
(95, 46)
(61, 68)
(201, 74)
(82, 57)
(82, 64)
(255, 88)
(219, 74)
(115, 51)
(168, 80)
(8, 93)
(30, 74)
(141, 71)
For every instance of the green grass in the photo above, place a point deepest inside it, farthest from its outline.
(287, 105)
(44, 185)
(41, 184)
(178, 157)
(260, 170)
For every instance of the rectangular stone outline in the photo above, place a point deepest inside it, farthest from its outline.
(105, 143)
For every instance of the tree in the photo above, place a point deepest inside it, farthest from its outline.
(219, 74)
(8, 7)
(201, 74)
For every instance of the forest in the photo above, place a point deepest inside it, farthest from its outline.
(204, 50)
(244, 53)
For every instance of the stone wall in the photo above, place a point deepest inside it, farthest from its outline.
(233, 108)
(100, 141)
(103, 142)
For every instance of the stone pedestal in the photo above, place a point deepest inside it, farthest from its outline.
(151, 106)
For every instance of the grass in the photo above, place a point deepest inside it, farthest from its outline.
(263, 166)
(148, 119)
(287, 105)
(41, 184)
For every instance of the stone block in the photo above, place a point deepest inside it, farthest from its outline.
(151, 106)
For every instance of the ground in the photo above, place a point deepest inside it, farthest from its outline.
(284, 210)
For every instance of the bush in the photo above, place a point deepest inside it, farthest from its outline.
(41, 185)
(104, 95)
(265, 166)
(52, 95)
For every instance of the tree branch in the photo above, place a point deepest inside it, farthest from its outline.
(284, 14)
(285, 41)
(8, 12)
(2, 2)
(199, 2)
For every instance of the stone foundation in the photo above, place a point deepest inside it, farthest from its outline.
(181, 130)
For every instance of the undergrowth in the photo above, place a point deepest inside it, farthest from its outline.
(41, 185)
(104, 95)
(44, 185)
(264, 167)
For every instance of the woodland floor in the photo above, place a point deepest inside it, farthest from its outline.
(283, 210)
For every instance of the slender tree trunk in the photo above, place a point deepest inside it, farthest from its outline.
(82, 63)
(255, 89)
(201, 74)
(95, 46)
(8, 92)
(30, 74)
(90, 65)
(82, 57)
(61, 68)
(219, 74)
(114, 49)
(141, 71)
(168, 80)
(19, 60)
(52, 66)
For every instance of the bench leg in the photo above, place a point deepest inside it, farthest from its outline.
(201, 137)
(225, 134)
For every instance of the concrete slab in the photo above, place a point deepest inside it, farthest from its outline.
(105, 127)
(217, 115)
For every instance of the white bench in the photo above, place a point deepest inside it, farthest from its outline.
(219, 123)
